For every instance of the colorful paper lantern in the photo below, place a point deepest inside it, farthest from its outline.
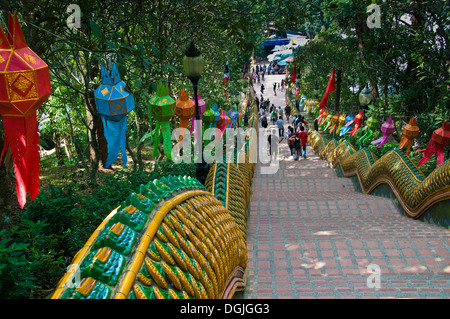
(316, 104)
(240, 118)
(225, 121)
(321, 110)
(334, 122)
(341, 122)
(208, 116)
(387, 129)
(310, 103)
(439, 140)
(24, 86)
(326, 123)
(371, 125)
(163, 109)
(410, 132)
(216, 115)
(324, 117)
(358, 121)
(219, 124)
(113, 103)
(185, 109)
(348, 122)
(302, 104)
(234, 115)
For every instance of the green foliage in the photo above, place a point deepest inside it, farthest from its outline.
(15, 276)
(44, 238)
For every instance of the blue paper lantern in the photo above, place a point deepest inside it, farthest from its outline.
(113, 103)
(346, 128)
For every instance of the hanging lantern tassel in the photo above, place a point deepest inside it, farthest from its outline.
(24, 86)
(114, 102)
(439, 140)
(163, 108)
(21, 135)
(358, 121)
(410, 132)
(387, 129)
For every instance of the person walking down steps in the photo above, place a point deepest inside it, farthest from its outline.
(280, 125)
(291, 138)
(303, 136)
(274, 116)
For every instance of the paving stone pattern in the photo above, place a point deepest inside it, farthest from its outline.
(311, 235)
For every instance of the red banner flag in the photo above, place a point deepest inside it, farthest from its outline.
(294, 75)
(330, 88)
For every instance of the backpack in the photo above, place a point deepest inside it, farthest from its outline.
(264, 121)
(297, 144)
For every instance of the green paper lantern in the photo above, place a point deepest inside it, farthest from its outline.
(208, 115)
(163, 105)
(163, 109)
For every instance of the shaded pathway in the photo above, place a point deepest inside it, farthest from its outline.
(311, 235)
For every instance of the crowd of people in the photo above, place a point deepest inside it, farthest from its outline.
(296, 134)
(297, 130)
(272, 68)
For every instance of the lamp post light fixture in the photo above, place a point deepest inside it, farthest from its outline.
(365, 97)
(193, 65)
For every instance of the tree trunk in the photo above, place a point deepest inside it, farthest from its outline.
(103, 144)
(58, 152)
(94, 152)
(67, 148)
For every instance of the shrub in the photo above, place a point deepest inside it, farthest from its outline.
(42, 239)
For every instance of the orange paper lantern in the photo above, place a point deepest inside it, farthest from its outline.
(410, 132)
(185, 109)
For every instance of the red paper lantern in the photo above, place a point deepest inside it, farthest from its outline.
(24, 86)
(439, 140)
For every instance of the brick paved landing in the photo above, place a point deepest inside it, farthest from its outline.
(310, 235)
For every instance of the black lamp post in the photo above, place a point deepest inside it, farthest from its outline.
(193, 64)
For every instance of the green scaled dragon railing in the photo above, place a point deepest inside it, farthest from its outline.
(174, 239)
(415, 192)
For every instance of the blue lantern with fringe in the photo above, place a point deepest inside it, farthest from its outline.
(114, 102)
